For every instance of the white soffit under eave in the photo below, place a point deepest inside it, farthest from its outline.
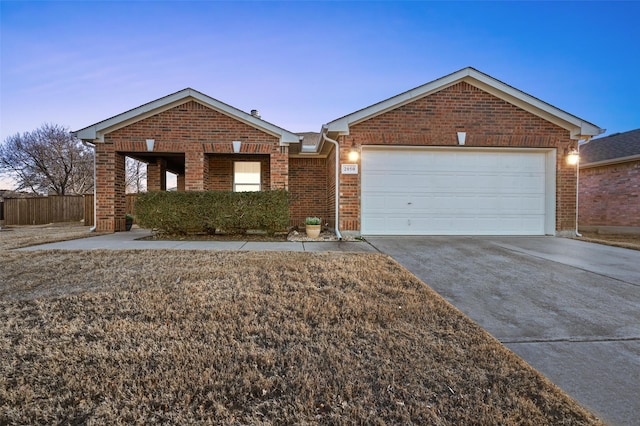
(576, 126)
(98, 130)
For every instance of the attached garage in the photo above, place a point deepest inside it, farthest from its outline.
(445, 191)
(465, 154)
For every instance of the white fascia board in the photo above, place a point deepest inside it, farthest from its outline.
(285, 136)
(578, 128)
(341, 125)
(98, 130)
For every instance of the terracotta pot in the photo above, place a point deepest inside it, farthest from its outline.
(313, 231)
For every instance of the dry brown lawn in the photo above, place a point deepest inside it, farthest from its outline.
(193, 337)
(13, 237)
(629, 241)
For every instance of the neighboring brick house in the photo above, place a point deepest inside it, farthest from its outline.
(464, 154)
(609, 184)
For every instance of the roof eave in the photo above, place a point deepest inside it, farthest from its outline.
(611, 161)
(578, 128)
(97, 131)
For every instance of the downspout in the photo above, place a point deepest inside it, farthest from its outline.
(337, 145)
(578, 234)
(95, 193)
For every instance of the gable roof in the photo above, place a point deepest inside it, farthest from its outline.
(96, 132)
(616, 148)
(578, 128)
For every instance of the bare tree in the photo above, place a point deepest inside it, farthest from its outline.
(136, 176)
(48, 161)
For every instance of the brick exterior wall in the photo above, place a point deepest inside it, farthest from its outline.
(434, 120)
(204, 137)
(308, 190)
(610, 195)
(192, 129)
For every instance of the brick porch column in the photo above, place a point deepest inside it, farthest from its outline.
(110, 189)
(279, 168)
(120, 187)
(157, 175)
(196, 171)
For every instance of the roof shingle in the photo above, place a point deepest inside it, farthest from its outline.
(612, 147)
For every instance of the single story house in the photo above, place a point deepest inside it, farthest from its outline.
(464, 154)
(609, 185)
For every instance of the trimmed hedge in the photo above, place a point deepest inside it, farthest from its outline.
(211, 211)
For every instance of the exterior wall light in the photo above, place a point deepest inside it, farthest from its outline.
(236, 146)
(354, 155)
(462, 137)
(572, 155)
(150, 143)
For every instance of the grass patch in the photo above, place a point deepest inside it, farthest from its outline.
(628, 241)
(183, 337)
(13, 237)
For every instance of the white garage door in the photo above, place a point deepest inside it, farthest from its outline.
(457, 192)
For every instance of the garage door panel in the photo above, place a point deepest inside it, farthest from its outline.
(378, 204)
(423, 192)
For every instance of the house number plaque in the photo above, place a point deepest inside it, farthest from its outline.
(349, 169)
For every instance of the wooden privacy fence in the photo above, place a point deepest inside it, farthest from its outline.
(88, 207)
(54, 208)
(43, 210)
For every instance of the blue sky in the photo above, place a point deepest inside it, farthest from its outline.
(302, 64)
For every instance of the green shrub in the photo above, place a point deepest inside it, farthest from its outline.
(206, 212)
(312, 221)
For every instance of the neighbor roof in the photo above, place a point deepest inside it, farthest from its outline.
(578, 128)
(97, 131)
(616, 148)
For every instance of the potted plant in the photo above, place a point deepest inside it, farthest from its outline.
(129, 222)
(312, 226)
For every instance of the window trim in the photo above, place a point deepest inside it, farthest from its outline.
(252, 184)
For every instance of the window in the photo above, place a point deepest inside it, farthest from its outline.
(246, 176)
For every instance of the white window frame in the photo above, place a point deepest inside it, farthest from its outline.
(251, 185)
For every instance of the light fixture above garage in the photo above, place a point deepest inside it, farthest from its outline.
(572, 155)
(354, 155)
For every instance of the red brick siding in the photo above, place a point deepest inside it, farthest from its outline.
(307, 190)
(193, 129)
(111, 202)
(189, 125)
(280, 168)
(157, 175)
(610, 195)
(434, 121)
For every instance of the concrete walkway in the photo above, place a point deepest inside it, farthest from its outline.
(131, 241)
(571, 309)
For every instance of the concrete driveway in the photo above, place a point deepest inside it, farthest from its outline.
(571, 309)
